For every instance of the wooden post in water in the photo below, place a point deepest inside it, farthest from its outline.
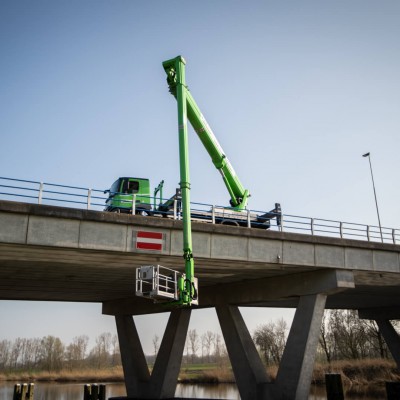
(334, 387)
(23, 391)
(393, 390)
(94, 392)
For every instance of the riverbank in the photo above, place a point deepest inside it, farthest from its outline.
(357, 375)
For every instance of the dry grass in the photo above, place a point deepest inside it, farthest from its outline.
(81, 375)
(360, 377)
(359, 372)
(207, 373)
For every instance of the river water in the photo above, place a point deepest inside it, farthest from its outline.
(74, 391)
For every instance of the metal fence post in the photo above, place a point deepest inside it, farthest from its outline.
(248, 219)
(89, 198)
(40, 193)
(341, 230)
(134, 204)
(394, 235)
(312, 226)
(368, 238)
(175, 208)
(213, 215)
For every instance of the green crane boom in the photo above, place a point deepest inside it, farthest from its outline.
(161, 283)
(187, 285)
(239, 195)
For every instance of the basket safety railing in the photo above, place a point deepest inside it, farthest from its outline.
(157, 282)
(94, 199)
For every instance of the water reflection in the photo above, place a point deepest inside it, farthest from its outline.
(221, 391)
(74, 391)
(59, 391)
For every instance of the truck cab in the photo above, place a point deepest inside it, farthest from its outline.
(122, 192)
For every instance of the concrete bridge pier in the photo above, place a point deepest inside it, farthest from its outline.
(382, 317)
(294, 376)
(296, 367)
(247, 366)
(161, 384)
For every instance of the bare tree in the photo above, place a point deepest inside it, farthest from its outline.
(5, 354)
(116, 356)
(271, 338)
(16, 353)
(349, 335)
(76, 351)
(52, 353)
(203, 339)
(326, 340)
(156, 341)
(217, 346)
(101, 352)
(194, 342)
(209, 338)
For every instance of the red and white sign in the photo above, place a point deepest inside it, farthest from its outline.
(149, 240)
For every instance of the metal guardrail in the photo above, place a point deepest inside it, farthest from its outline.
(94, 199)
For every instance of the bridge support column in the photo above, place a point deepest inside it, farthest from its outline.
(382, 317)
(391, 337)
(134, 363)
(296, 367)
(162, 382)
(168, 363)
(247, 366)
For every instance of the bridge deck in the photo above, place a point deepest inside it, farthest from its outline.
(63, 254)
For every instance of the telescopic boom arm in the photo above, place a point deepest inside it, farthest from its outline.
(239, 195)
(187, 285)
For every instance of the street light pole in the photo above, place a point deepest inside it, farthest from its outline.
(373, 185)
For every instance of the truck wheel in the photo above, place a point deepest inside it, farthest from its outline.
(229, 222)
(143, 213)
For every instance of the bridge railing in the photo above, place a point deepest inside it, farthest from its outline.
(52, 194)
(95, 199)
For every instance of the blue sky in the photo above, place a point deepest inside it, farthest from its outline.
(295, 91)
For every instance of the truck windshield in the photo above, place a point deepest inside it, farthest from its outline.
(130, 187)
(115, 186)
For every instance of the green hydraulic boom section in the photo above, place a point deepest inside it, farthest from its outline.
(175, 70)
(187, 284)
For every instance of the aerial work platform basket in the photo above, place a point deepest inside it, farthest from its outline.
(157, 282)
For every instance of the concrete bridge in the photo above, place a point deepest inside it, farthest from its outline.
(62, 254)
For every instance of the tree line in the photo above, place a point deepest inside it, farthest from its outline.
(342, 336)
(208, 347)
(50, 354)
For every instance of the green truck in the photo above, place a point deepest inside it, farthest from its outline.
(132, 195)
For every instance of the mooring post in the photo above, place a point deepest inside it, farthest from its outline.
(334, 387)
(392, 390)
(94, 392)
(23, 391)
